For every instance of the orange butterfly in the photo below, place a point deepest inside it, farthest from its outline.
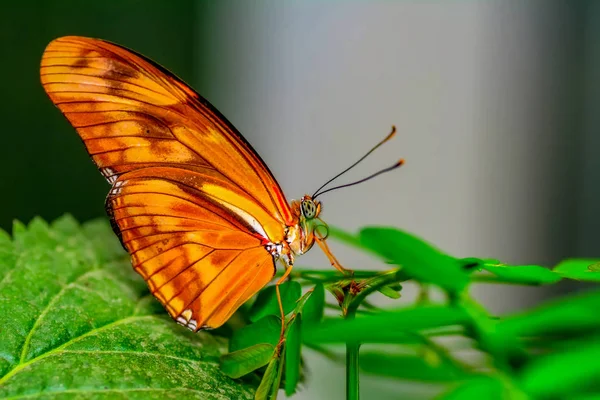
(201, 215)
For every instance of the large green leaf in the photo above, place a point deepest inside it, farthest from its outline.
(417, 258)
(77, 322)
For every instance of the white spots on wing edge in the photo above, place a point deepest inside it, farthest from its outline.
(117, 186)
(109, 174)
(186, 320)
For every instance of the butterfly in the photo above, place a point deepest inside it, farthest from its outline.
(198, 210)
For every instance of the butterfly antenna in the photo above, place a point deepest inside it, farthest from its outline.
(388, 169)
(388, 137)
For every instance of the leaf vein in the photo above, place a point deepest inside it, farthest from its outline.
(133, 352)
(45, 311)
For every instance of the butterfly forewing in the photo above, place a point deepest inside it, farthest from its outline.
(191, 200)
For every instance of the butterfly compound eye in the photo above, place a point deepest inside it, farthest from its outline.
(309, 209)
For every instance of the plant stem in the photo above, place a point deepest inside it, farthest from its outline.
(352, 348)
(352, 363)
(352, 381)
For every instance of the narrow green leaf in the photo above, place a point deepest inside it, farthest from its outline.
(559, 375)
(427, 367)
(268, 381)
(389, 292)
(386, 327)
(484, 387)
(345, 237)
(266, 302)
(473, 263)
(523, 274)
(239, 363)
(570, 313)
(315, 305)
(579, 269)
(293, 344)
(265, 330)
(418, 258)
(71, 322)
(277, 382)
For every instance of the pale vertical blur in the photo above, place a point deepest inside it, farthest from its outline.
(588, 234)
(488, 101)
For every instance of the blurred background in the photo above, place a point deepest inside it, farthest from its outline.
(496, 105)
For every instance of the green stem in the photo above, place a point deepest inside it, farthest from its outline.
(352, 348)
(352, 364)
(334, 276)
(352, 381)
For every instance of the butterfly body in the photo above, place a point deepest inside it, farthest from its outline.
(201, 215)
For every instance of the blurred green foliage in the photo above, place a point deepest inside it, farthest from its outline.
(75, 318)
(548, 352)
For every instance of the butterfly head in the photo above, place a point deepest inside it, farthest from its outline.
(309, 208)
(309, 225)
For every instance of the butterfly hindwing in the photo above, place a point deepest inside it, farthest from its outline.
(197, 262)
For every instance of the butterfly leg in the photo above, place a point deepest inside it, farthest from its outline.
(334, 262)
(288, 269)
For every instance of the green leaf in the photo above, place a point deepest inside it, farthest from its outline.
(345, 237)
(484, 387)
(266, 302)
(386, 327)
(315, 305)
(239, 363)
(570, 313)
(559, 375)
(293, 344)
(594, 267)
(418, 258)
(580, 269)
(268, 381)
(522, 274)
(586, 396)
(427, 366)
(277, 382)
(265, 330)
(389, 292)
(72, 321)
(472, 263)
